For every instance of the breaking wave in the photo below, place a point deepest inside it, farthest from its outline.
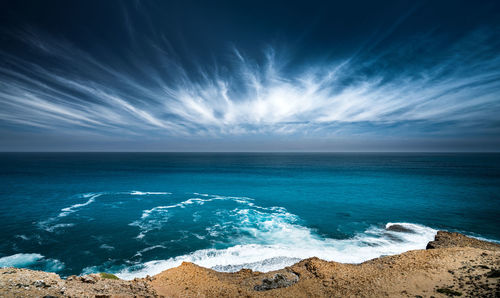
(271, 238)
(31, 261)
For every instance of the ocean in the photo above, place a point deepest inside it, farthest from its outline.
(137, 214)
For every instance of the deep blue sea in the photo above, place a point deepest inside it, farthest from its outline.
(140, 213)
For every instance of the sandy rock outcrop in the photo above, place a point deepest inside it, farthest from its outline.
(445, 239)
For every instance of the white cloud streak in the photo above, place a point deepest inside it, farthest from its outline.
(78, 91)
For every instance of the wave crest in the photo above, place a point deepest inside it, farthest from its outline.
(31, 261)
(271, 238)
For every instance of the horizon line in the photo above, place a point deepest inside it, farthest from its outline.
(440, 152)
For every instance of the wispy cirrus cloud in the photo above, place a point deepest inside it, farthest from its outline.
(455, 90)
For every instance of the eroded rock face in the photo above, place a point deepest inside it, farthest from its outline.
(277, 281)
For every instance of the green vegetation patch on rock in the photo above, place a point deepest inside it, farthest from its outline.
(108, 275)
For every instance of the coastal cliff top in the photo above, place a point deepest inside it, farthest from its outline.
(449, 239)
(452, 265)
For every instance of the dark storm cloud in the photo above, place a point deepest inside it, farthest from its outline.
(102, 75)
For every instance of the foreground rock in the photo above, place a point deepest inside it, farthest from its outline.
(455, 266)
(29, 283)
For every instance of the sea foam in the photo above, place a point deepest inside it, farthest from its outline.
(32, 261)
(145, 193)
(50, 224)
(271, 238)
(302, 244)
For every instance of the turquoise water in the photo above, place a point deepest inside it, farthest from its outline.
(140, 213)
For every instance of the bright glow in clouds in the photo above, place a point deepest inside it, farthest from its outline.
(454, 92)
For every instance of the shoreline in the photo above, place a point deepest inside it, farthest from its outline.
(452, 265)
(391, 239)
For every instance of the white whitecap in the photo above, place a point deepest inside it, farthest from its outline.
(107, 247)
(20, 260)
(154, 218)
(140, 252)
(23, 237)
(68, 210)
(50, 225)
(144, 193)
(31, 260)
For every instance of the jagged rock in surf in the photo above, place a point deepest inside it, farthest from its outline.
(399, 228)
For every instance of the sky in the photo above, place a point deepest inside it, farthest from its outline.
(209, 76)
